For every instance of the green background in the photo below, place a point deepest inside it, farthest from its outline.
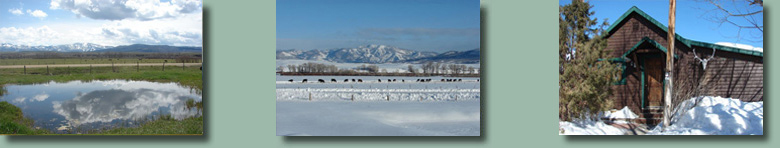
(519, 89)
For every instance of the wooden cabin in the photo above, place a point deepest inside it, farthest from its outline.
(639, 43)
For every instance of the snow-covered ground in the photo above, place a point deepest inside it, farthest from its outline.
(705, 115)
(588, 127)
(716, 116)
(413, 109)
(405, 118)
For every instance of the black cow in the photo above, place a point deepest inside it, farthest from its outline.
(393, 80)
(380, 80)
(321, 81)
(427, 80)
(304, 81)
(291, 80)
(477, 80)
(353, 80)
(333, 80)
(346, 80)
(460, 80)
(442, 80)
(402, 80)
(388, 80)
(360, 80)
(418, 80)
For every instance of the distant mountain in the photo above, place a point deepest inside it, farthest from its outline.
(363, 54)
(151, 48)
(90, 47)
(76, 47)
(464, 57)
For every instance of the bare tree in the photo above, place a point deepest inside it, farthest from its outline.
(746, 15)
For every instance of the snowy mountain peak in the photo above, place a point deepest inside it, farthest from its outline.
(371, 53)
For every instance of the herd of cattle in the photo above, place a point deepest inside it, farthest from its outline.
(380, 80)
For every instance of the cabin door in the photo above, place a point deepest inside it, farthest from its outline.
(654, 81)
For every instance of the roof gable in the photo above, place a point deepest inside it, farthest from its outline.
(651, 42)
(687, 42)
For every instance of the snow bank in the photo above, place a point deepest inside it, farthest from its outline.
(624, 113)
(588, 128)
(716, 116)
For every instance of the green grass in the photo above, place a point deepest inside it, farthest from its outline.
(189, 76)
(163, 125)
(80, 61)
(12, 120)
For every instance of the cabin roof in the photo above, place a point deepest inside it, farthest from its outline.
(651, 42)
(687, 42)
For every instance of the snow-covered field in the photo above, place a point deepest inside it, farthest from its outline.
(413, 109)
(706, 115)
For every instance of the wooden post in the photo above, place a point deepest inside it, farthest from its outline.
(353, 97)
(164, 69)
(669, 64)
(137, 66)
(112, 67)
(309, 96)
(25, 69)
(47, 70)
(388, 97)
(90, 68)
(182, 65)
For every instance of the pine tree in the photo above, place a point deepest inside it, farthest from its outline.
(585, 73)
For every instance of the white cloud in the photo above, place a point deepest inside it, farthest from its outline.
(28, 36)
(37, 13)
(40, 97)
(16, 11)
(144, 10)
(183, 31)
(20, 99)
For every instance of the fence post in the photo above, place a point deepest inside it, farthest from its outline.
(47, 70)
(309, 96)
(25, 69)
(137, 66)
(90, 68)
(182, 65)
(388, 97)
(353, 97)
(112, 67)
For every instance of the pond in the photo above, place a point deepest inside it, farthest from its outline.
(81, 106)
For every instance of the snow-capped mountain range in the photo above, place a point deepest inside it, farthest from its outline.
(75, 47)
(362, 54)
(91, 47)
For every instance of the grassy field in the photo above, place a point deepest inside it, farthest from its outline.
(163, 125)
(12, 120)
(188, 76)
(79, 61)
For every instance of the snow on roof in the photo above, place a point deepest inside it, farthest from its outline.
(741, 46)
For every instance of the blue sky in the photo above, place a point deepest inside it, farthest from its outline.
(424, 25)
(106, 22)
(694, 19)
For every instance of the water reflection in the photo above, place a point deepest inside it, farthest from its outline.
(77, 106)
(109, 105)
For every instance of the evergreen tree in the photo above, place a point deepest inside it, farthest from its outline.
(585, 74)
